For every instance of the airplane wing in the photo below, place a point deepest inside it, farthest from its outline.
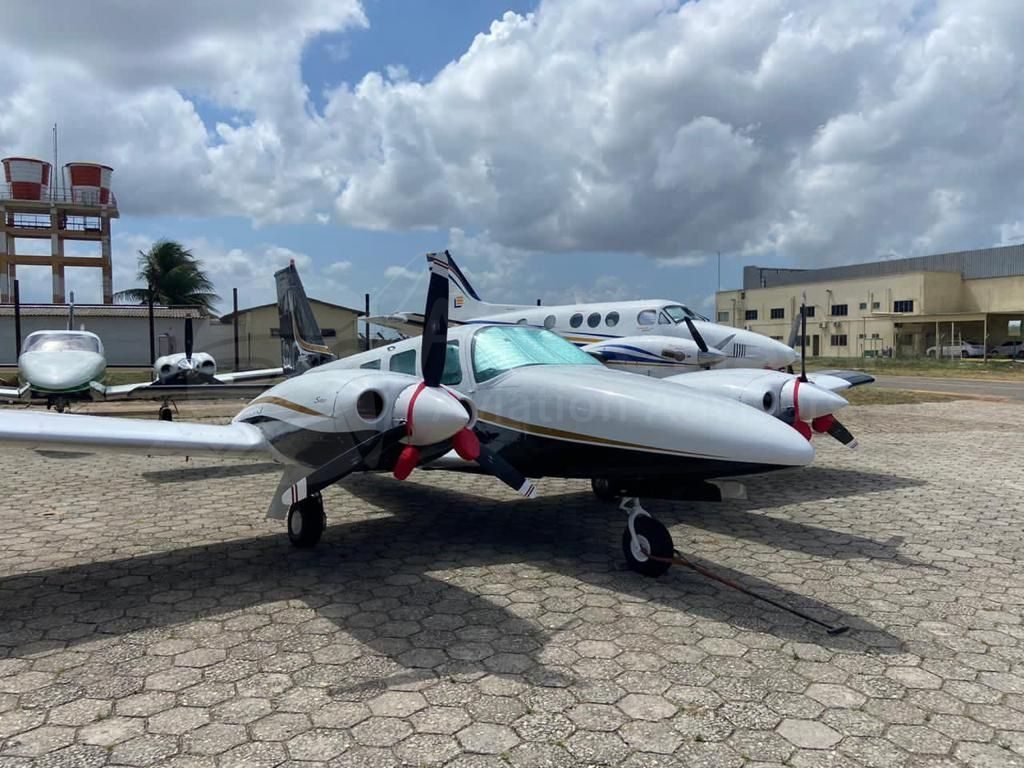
(406, 323)
(19, 393)
(151, 390)
(32, 429)
(262, 373)
(839, 380)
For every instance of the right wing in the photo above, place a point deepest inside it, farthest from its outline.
(406, 323)
(262, 373)
(32, 429)
(149, 390)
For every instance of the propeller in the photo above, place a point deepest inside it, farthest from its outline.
(188, 339)
(705, 356)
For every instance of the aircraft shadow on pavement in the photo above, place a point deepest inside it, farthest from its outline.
(372, 580)
(218, 471)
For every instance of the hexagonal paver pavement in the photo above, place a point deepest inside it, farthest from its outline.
(151, 616)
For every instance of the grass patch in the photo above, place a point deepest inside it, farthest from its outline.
(955, 369)
(869, 395)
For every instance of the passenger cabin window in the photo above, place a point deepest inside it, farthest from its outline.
(647, 317)
(594, 319)
(521, 321)
(576, 320)
(452, 365)
(611, 319)
(497, 349)
(549, 322)
(372, 364)
(403, 362)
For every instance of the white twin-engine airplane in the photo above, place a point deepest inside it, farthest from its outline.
(512, 401)
(652, 336)
(63, 366)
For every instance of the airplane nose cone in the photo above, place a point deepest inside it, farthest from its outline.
(59, 371)
(434, 414)
(812, 401)
(783, 355)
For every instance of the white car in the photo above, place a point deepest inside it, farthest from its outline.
(1009, 348)
(963, 349)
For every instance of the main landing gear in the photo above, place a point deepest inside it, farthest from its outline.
(646, 543)
(167, 410)
(306, 521)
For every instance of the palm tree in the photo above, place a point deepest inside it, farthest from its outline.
(175, 277)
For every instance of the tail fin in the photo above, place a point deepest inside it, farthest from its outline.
(466, 302)
(302, 343)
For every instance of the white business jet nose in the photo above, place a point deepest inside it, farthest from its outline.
(431, 413)
(63, 370)
(810, 400)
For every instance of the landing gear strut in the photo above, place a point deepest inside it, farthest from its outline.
(306, 521)
(604, 489)
(643, 538)
(165, 413)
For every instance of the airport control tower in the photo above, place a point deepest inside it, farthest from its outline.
(77, 207)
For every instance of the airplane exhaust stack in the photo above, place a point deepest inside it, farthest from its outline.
(27, 178)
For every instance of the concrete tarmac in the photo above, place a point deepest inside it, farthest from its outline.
(1009, 390)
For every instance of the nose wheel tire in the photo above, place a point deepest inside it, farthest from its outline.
(165, 414)
(652, 538)
(306, 522)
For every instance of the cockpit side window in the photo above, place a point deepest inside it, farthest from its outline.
(452, 365)
(664, 319)
(373, 365)
(647, 317)
(403, 362)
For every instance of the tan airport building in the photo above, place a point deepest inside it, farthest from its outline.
(902, 305)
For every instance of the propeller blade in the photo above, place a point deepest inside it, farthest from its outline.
(188, 338)
(842, 434)
(435, 320)
(495, 465)
(695, 335)
(347, 462)
(803, 338)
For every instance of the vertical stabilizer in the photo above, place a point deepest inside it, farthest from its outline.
(466, 303)
(302, 343)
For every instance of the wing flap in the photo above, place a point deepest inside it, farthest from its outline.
(107, 433)
(9, 393)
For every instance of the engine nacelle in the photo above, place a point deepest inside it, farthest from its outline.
(168, 367)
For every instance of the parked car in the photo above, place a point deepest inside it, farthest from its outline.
(1010, 348)
(963, 349)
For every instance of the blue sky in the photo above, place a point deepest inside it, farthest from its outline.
(590, 150)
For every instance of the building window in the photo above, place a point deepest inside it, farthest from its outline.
(723, 317)
(751, 314)
(863, 305)
(778, 313)
(876, 305)
(327, 333)
(907, 305)
(840, 310)
(611, 319)
(809, 310)
(576, 320)
(839, 340)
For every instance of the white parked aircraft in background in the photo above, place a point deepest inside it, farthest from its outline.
(511, 401)
(65, 366)
(653, 336)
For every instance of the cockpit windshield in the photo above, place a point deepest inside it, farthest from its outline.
(501, 348)
(61, 341)
(677, 312)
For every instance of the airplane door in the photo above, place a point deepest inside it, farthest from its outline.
(815, 345)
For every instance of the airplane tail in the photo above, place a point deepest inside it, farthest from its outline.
(302, 343)
(466, 303)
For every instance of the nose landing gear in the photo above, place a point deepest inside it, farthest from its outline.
(643, 538)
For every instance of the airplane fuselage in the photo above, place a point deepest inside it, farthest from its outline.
(61, 364)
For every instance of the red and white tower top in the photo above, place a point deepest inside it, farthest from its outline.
(27, 178)
(90, 183)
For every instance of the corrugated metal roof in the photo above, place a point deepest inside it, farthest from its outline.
(1001, 261)
(99, 310)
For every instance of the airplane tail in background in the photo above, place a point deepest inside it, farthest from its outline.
(466, 303)
(302, 343)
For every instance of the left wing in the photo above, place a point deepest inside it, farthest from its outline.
(262, 373)
(32, 429)
(21, 393)
(153, 390)
(406, 323)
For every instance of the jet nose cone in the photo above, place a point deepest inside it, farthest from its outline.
(432, 413)
(783, 355)
(811, 400)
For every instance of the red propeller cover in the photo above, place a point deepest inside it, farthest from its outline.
(466, 444)
(823, 423)
(407, 461)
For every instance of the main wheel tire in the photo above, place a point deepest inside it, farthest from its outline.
(653, 536)
(603, 489)
(166, 414)
(306, 522)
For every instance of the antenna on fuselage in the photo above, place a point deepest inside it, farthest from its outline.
(71, 311)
